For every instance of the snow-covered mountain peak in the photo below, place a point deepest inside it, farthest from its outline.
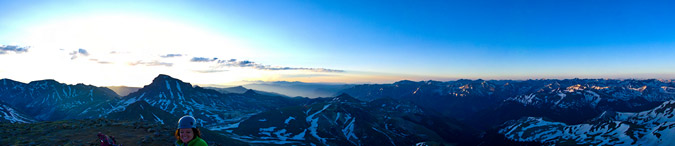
(574, 88)
(168, 83)
(651, 127)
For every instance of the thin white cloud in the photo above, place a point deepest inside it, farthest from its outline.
(118, 52)
(100, 62)
(251, 64)
(202, 59)
(79, 52)
(171, 55)
(210, 71)
(151, 63)
(4, 49)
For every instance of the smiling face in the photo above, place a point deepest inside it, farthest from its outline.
(186, 134)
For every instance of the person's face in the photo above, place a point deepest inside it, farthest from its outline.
(186, 134)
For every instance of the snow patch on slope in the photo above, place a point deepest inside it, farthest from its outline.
(314, 124)
(348, 131)
(158, 119)
(12, 116)
(289, 120)
(651, 127)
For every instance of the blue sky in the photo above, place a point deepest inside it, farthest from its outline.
(368, 41)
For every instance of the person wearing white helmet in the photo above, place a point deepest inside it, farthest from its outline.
(187, 133)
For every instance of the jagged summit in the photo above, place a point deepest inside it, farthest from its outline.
(250, 92)
(238, 88)
(166, 83)
(345, 95)
(47, 81)
(162, 77)
(405, 82)
(7, 80)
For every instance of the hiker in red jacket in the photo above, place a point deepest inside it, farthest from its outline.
(107, 140)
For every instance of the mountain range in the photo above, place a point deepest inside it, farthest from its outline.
(571, 101)
(49, 100)
(462, 112)
(242, 90)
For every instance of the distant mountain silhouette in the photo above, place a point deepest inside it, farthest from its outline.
(311, 90)
(242, 90)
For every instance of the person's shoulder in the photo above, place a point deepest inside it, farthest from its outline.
(200, 142)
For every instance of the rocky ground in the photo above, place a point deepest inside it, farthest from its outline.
(83, 132)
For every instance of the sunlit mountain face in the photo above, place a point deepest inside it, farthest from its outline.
(338, 72)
